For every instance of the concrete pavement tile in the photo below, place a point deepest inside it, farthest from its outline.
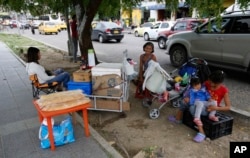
(23, 97)
(27, 112)
(34, 155)
(21, 148)
(13, 127)
(8, 116)
(1, 147)
(24, 92)
(7, 103)
(4, 90)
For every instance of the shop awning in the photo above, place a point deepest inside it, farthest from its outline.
(182, 5)
(156, 7)
(163, 6)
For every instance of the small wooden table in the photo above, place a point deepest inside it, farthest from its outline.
(49, 114)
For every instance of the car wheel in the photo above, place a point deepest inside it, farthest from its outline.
(162, 43)
(146, 37)
(178, 55)
(101, 40)
(136, 34)
(118, 40)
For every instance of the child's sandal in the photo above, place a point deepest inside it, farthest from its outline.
(173, 120)
(199, 137)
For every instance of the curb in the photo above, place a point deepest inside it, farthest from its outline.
(103, 143)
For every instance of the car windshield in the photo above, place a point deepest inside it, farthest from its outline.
(194, 24)
(215, 27)
(50, 24)
(156, 26)
(147, 25)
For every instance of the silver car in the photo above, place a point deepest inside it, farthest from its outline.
(225, 44)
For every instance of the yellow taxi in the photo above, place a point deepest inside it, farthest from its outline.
(58, 25)
(47, 27)
(63, 25)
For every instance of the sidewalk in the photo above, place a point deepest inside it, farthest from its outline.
(19, 124)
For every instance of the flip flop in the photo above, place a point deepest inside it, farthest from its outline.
(173, 119)
(199, 137)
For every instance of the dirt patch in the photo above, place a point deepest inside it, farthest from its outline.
(134, 132)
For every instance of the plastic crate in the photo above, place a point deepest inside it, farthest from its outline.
(86, 87)
(212, 129)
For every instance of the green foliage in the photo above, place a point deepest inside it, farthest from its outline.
(172, 4)
(149, 151)
(110, 7)
(207, 8)
(244, 3)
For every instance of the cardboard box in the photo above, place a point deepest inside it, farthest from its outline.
(110, 104)
(82, 76)
(107, 85)
(107, 68)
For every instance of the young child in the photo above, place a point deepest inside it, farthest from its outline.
(148, 55)
(218, 92)
(198, 97)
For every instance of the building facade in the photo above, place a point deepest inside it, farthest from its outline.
(153, 11)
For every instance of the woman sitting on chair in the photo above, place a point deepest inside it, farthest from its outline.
(33, 67)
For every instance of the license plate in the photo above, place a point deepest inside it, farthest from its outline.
(116, 32)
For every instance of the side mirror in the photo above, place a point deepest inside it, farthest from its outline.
(172, 28)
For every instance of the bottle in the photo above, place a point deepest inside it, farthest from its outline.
(91, 58)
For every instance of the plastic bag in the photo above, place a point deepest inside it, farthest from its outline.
(63, 133)
(156, 83)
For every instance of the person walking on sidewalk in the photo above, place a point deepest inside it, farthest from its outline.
(33, 67)
(32, 27)
(74, 35)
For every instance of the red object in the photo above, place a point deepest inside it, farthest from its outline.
(49, 114)
(139, 93)
(73, 27)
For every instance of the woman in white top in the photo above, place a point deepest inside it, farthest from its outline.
(33, 67)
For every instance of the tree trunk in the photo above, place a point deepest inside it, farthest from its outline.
(84, 19)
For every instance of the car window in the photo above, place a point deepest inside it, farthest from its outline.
(241, 25)
(216, 27)
(98, 26)
(165, 25)
(194, 24)
(180, 26)
(111, 25)
(156, 26)
(147, 25)
(50, 24)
